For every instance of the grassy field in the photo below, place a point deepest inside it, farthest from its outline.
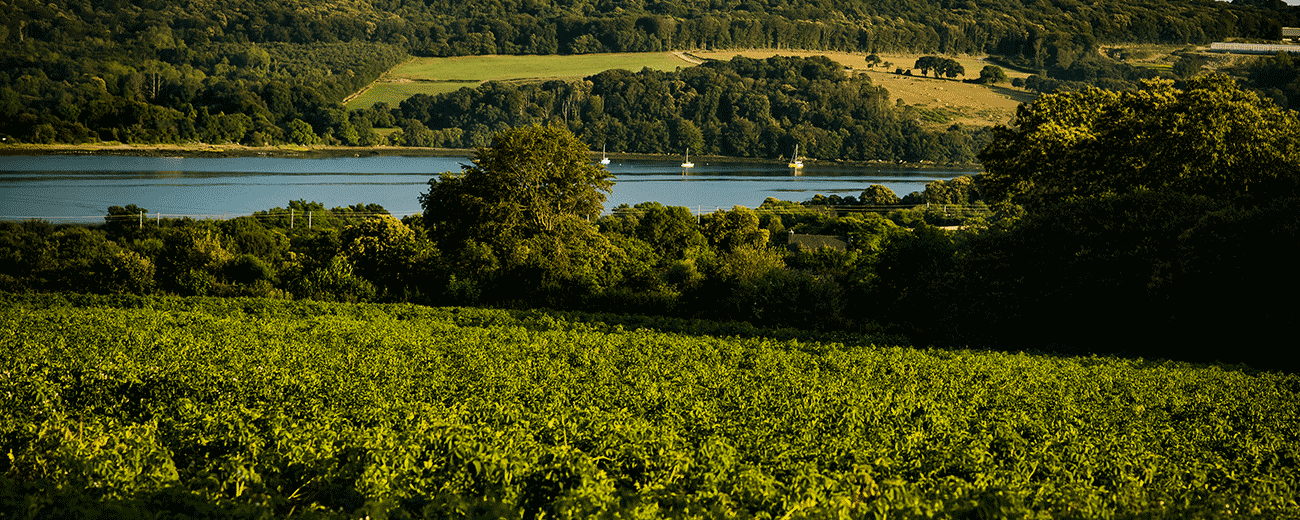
(437, 75)
(942, 101)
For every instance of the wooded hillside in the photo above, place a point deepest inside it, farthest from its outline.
(274, 71)
(739, 108)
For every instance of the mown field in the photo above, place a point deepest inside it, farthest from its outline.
(212, 408)
(437, 75)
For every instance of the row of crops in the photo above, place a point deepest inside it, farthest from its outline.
(209, 408)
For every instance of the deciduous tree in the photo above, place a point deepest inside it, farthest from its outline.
(526, 203)
(522, 185)
(878, 195)
(1213, 139)
(992, 74)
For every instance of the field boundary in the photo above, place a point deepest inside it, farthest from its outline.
(381, 77)
(413, 74)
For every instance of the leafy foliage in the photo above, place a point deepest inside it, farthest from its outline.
(992, 74)
(271, 72)
(743, 107)
(1274, 77)
(941, 66)
(51, 90)
(127, 406)
(1212, 139)
(528, 200)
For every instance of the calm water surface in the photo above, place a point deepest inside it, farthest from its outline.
(78, 187)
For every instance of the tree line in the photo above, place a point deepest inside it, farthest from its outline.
(212, 93)
(1145, 223)
(742, 108)
(444, 27)
(362, 253)
(270, 72)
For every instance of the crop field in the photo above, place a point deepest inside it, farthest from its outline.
(119, 407)
(437, 75)
(951, 100)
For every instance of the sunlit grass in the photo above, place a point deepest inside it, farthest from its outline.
(438, 75)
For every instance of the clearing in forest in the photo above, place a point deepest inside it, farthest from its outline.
(437, 75)
(940, 101)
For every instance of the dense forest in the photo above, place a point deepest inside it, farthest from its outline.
(215, 93)
(275, 72)
(741, 108)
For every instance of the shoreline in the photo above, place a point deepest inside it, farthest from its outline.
(322, 151)
(223, 150)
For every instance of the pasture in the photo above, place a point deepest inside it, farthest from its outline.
(434, 76)
(942, 101)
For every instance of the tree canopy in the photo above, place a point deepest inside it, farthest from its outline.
(992, 74)
(941, 66)
(274, 72)
(1212, 139)
(742, 107)
(523, 197)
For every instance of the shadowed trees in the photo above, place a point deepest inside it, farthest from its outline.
(945, 67)
(1212, 139)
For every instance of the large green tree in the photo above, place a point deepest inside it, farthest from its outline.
(526, 203)
(524, 184)
(878, 195)
(1212, 139)
(992, 74)
(671, 230)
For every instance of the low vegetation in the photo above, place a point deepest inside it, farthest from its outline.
(222, 408)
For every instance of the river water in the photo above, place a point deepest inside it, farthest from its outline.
(82, 187)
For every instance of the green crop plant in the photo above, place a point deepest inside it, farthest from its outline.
(161, 407)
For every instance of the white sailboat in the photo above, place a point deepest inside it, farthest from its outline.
(794, 161)
(688, 163)
(604, 159)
